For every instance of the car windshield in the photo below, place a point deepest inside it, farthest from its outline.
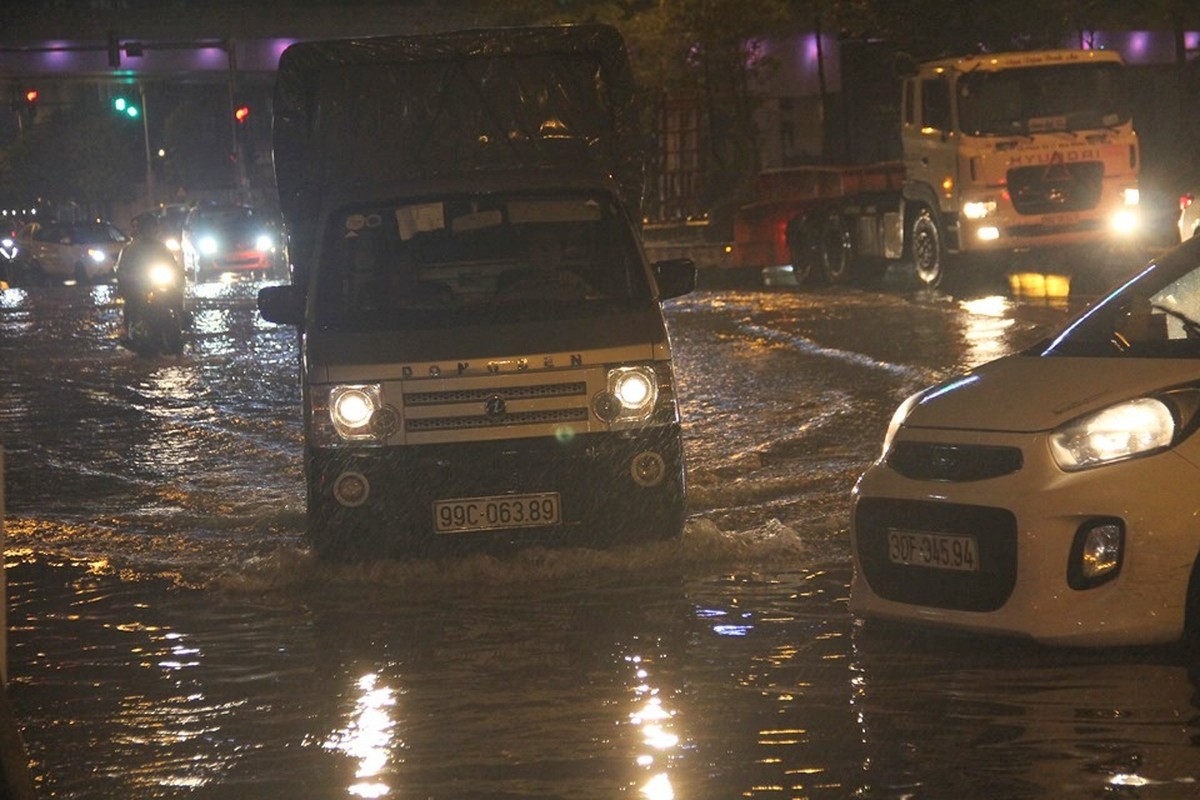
(478, 258)
(1155, 314)
(94, 233)
(1028, 100)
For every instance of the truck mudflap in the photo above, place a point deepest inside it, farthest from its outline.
(589, 490)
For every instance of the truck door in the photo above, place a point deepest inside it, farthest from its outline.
(929, 142)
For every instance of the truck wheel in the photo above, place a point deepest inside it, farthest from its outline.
(928, 256)
(837, 249)
(804, 246)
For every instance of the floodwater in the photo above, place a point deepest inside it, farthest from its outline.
(171, 637)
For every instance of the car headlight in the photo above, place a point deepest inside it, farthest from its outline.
(172, 244)
(161, 276)
(207, 245)
(1125, 430)
(897, 420)
(97, 255)
(263, 243)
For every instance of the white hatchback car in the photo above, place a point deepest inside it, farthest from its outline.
(59, 251)
(1053, 494)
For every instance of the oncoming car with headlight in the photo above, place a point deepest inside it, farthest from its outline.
(229, 240)
(1053, 494)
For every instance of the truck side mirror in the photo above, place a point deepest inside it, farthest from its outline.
(675, 277)
(283, 305)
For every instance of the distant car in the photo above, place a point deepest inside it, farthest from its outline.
(170, 226)
(1189, 214)
(1052, 494)
(221, 240)
(85, 252)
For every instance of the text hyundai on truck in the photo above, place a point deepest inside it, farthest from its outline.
(483, 351)
(1001, 153)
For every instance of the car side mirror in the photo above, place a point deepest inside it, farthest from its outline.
(283, 305)
(675, 277)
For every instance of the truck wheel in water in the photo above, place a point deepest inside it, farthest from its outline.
(928, 255)
(803, 240)
(837, 249)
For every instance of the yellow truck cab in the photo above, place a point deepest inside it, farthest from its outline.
(483, 351)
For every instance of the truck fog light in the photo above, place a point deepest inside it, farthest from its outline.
(988, 233)
(1124, 222)
(648, 469)
(351, 489)
(1096, 553)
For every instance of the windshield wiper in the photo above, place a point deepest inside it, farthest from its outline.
(1190, 326)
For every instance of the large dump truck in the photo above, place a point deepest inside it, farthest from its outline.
(484, 356)
(1002, 153)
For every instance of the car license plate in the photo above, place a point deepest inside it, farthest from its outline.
(465, 514)
(936, 550)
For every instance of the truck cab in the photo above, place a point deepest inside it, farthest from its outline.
(484, 357)
(1011, 151)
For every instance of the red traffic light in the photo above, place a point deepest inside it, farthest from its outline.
(31, 96)
(241, 113)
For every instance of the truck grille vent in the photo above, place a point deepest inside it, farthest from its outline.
(480, 421)
(573, 389)
(951, 462)
(1056, 188)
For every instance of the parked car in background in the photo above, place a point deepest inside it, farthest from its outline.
(1052, 494)
(1189, 214)
(85, 252)
(222, 240)
(170, 226)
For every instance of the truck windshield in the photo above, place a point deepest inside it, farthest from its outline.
(444, 261)
(1155, 314)
(1027, 100)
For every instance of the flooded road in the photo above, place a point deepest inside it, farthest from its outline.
(171, 637)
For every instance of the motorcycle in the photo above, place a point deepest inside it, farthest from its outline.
(154, 315)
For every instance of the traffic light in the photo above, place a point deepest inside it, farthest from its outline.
(123, 105)
(241, 114)
(31, 101)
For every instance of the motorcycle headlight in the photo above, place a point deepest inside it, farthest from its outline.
(162, 276)
(263, 243)
(207, 245)
(97, 255)
(1125, 430)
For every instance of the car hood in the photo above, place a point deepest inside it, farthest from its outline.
(1037, 393)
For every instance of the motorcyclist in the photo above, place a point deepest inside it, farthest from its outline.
(147, 273)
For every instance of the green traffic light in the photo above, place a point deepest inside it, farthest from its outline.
(123, 106)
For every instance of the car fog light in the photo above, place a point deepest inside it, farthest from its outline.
(648, 469)
(351, 489)
(988, 233)
(1096, 553)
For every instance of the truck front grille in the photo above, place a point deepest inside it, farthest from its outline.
(1056, 188)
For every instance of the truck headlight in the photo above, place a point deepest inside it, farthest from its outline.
(1124, 221)
(1131, 196)
(207, 245)
(263, 243)
(979, 209)
(347, 413)
(1125, 430)
(632, 394)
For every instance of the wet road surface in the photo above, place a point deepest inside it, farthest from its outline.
(171, 637)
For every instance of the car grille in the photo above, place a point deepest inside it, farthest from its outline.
(952, 462)
(1056, 188)
(995, 533)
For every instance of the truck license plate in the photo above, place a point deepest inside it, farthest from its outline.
(465, 514)
(936, 550)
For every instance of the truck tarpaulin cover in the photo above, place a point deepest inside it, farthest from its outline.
(364, 113)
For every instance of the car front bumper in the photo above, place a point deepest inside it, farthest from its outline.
(1025, 524)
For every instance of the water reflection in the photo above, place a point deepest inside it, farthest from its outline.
(369, 737)
(655, 723)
